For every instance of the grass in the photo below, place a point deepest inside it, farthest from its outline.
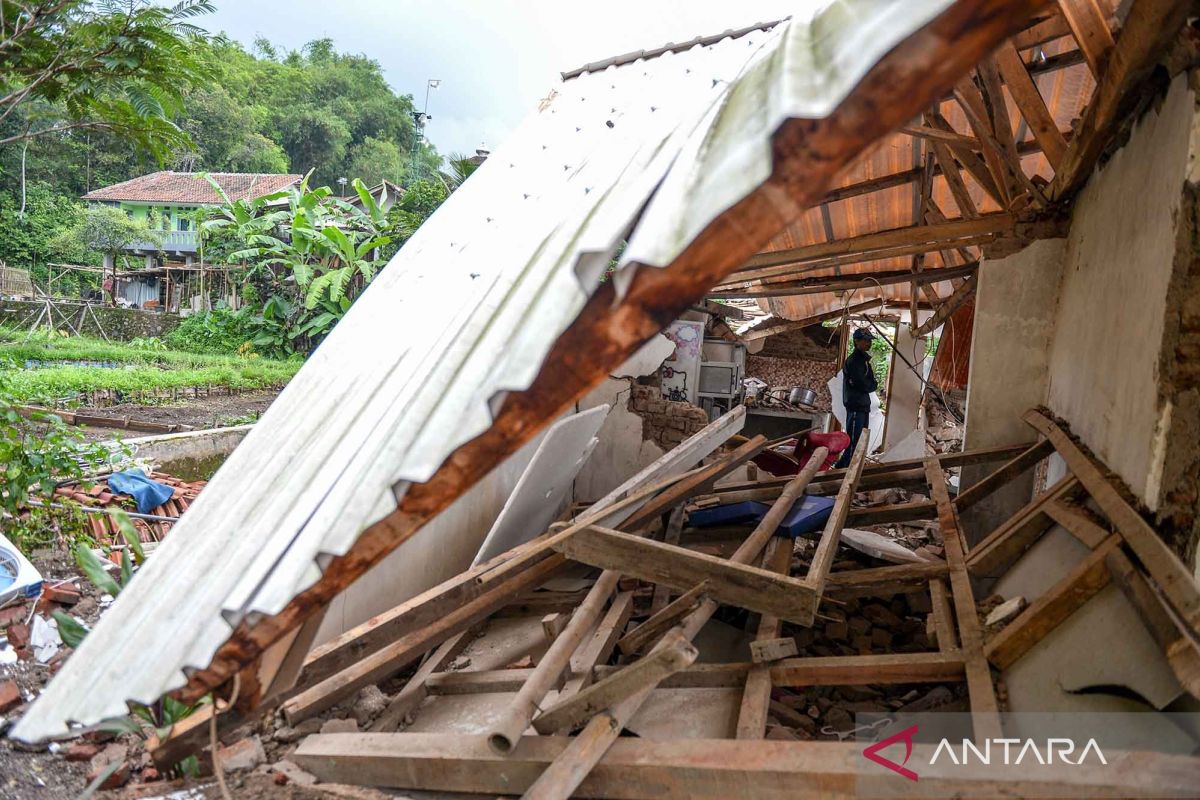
(143, 373)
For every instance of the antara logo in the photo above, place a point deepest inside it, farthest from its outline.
(905, 736)
(1006, 751)
(1029, 749)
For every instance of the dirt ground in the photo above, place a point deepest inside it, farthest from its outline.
(204, 412)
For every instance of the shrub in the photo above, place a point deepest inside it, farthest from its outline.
(221, 331)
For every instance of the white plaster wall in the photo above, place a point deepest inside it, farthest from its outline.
(1015, 310)
(621, 451)
(437, 552)
(1104, 356)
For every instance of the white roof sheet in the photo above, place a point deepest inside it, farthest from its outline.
(652, 150)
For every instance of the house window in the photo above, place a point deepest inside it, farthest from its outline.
(185, 224)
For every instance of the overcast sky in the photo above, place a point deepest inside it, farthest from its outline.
(495, 58)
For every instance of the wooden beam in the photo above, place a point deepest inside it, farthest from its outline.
(756, 696)
(417, 688)
(600, 648)
(822, 560)
(390, 659)
(1050, 610)
(1003, 476)
(958, 188)
(892, 512)
(675, 654)
(1178, 644)
(1164, 567)
(1001, 548)
(708, 769)
(883, 581)
(848, 283)
(943, 616)
(985, 711)
(1089, 26)
(872, 669)
(1148, 31)
(962, 294)
(700, 481)
(649, 631)
(735, 584)
(1001, 224)
(1078, 522)
(939, 135)
(1031, 104)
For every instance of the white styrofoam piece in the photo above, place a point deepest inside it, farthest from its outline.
(545, 485)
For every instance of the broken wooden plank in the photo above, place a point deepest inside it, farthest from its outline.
(1164, 567)
(708, 769)
(822, 559)
(736, 584)
(1051, 609)
(764, 651)
(943, 616)
(675, 654)
(1183, 655)
(756, 695)
(985, 711)
(390, 659)
(1078, 522)
(1001, 548)
(892, 512)
(417, 689)
(662, 594)
(883, 581)
(663, 621)
(1003, 476)
(947, 307)
(603, 642)
(870, 669)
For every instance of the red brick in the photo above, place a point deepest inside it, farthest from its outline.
(18, 635)
(13, 614)
(150, 774)
(66, 594)
(10, 696)
(81, 751)
(113, 781)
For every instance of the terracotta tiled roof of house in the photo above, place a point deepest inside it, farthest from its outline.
(192, 188)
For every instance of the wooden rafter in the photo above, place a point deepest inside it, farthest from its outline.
(849, 282)
(951, 304)
(1031, 104)
(1149, 29)
(1089, 26)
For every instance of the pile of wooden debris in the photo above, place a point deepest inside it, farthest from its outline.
(739, 657)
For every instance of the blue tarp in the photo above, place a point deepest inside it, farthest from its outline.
(148, 494)
(807, 515)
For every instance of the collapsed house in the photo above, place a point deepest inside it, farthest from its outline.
(465, 488)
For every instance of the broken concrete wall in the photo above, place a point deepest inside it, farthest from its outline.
(622, 449)
(1109, 348)
(1015, 311)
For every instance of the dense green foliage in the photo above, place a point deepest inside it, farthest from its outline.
(229, 110)
(36, 453)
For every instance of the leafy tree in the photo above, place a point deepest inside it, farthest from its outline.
(314, 138)
(30, 239)
(326, 248)
(461, 168)
(376, 160)
(109, 231)
(225, 137)
(111, 65)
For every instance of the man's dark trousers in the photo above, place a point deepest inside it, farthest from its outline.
(856, 422)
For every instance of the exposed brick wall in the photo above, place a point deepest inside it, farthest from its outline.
(814, 343)
(665, 422)
(788, 372)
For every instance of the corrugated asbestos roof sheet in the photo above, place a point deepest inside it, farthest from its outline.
(652, 150)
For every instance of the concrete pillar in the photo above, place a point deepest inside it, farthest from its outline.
(1015, 307)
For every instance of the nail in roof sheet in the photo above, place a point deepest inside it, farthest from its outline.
(468, 309)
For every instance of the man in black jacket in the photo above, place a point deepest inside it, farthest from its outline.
(858, 381)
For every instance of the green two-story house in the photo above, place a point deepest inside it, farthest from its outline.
(164, 276)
